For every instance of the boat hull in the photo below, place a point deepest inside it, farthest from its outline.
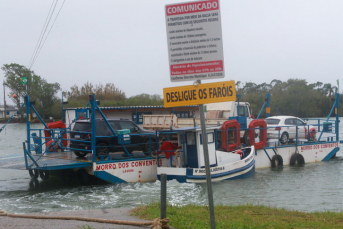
(128, 171)
(312, 153)
(236, 170)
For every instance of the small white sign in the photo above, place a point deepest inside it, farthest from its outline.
(195, 45)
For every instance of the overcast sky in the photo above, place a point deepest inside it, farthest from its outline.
(125, 42)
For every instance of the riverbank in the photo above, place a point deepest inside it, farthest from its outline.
(111, 214)
(241, 216)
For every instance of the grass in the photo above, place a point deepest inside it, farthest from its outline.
(242, 216)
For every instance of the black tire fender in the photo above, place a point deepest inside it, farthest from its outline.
(33, 173)
(277, 161)
(297, 159)
(44, 174)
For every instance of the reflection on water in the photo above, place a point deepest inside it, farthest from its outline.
(313, 187)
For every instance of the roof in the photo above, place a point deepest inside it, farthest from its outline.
(8, 108)
(125, 107)
(197, 128)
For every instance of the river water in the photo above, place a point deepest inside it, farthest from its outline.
(314, 187)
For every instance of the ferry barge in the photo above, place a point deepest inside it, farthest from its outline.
(46, 151)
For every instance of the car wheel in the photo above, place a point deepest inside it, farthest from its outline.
(80, 154)
(102, 149)
(146, 148)
(284, 138)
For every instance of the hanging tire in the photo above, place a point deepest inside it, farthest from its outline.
(333, 156)
(80, 154)
(44, 174)
(102, 149)
(83, 177)
(297, 159)
(33, 173)
(277, 161)
(284, 138)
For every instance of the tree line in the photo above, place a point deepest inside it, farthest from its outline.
(294, 97)
(49, 104)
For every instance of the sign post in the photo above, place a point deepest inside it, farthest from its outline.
(195, 50)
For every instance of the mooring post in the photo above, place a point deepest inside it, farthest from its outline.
(163, 196)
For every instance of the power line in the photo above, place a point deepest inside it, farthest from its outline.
(46, 27)
(40, 42)
(49, 30)
(40, 36)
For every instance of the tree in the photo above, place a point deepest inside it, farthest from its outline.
(102, 92)
(13, 75)
(39, 89)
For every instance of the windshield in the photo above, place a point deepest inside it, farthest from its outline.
(243, 111)
(272, 121)
(82, 126)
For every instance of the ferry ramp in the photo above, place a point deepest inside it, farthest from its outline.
(48, 161)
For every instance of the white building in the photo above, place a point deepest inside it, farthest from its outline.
(10, 110)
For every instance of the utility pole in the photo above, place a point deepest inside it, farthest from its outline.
(4, 100)
(296, 112)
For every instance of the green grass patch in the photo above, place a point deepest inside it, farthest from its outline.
(242, 216)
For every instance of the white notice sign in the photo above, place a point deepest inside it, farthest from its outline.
(195, 45)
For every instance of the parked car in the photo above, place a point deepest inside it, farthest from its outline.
(285, 128)
(142, 140)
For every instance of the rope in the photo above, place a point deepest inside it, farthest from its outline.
(155, 224)
(178, 155)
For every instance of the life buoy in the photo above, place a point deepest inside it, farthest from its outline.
(236, 135)
(50, 145)
(262, 125)
(240, 152)
(312, 133)
(56, 125)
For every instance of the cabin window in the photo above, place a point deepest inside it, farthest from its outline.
(81, 114)
(127, 125)
(140, 117)
(182, 114)
(7, 113)
(210, 138)
(190, 138)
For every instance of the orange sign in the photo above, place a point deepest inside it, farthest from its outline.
(199, 94)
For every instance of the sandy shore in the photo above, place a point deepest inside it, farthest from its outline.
(114, 214)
